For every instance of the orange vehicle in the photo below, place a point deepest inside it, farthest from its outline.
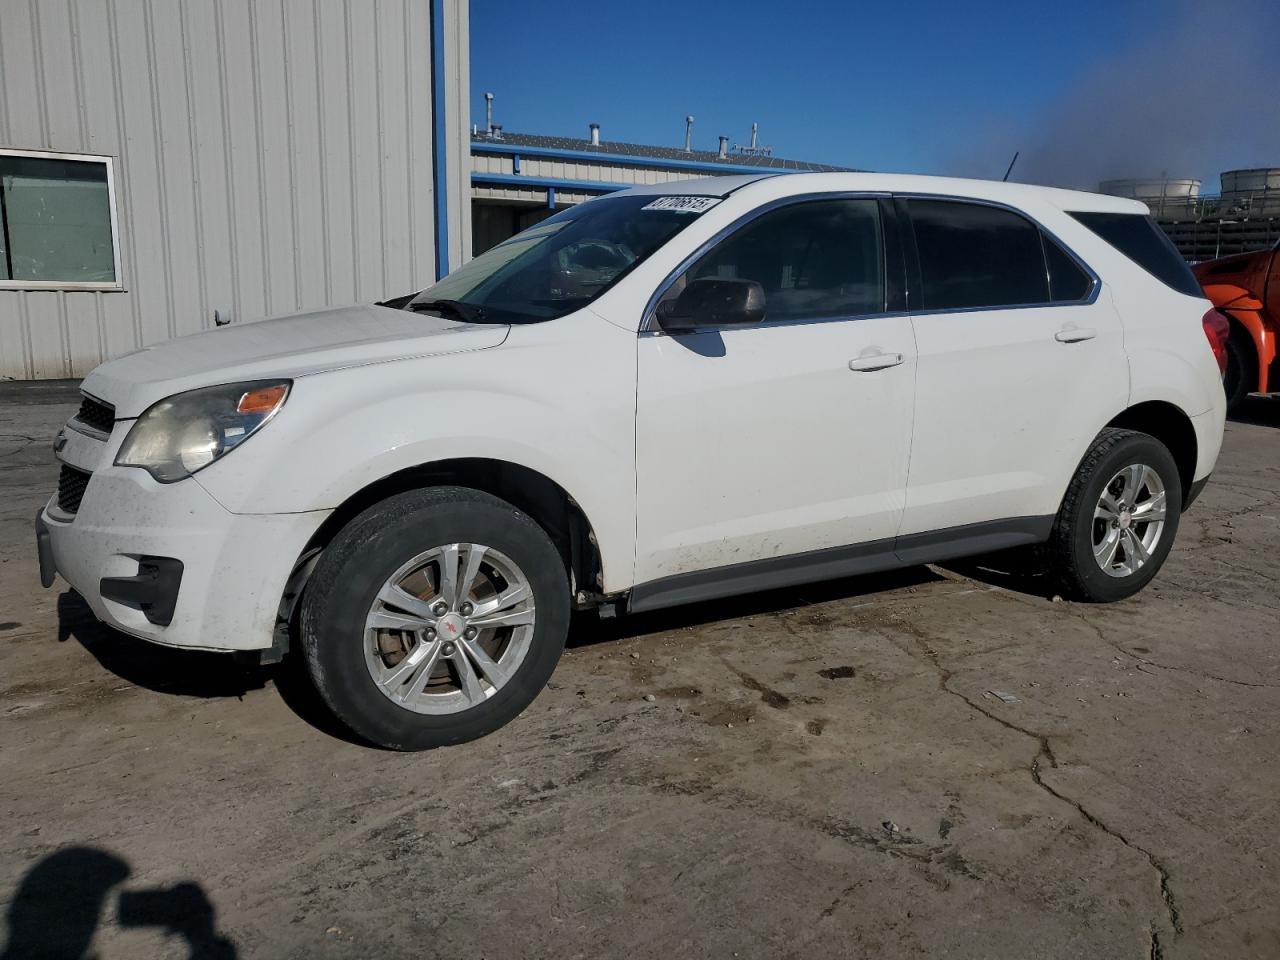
(1246, 288)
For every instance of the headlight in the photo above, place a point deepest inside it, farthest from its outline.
(181, 434)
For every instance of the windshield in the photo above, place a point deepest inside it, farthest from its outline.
(565, 262)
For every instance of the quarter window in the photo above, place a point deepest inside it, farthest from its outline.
(57, 225)
(973, 255)
(1068, 283)
(815, 260)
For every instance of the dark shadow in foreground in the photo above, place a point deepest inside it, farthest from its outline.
(58, 906)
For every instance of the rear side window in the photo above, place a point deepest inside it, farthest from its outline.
(1143, 242)
(821, 259)
(973, 255)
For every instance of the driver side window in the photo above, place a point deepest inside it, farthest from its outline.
(819, 259)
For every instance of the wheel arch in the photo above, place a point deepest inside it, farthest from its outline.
(1171, 426)
(538, 496)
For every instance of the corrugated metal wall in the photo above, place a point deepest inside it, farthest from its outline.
(270, 155)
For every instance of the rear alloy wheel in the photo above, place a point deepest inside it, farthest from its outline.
(1118, 519)
(435, 617)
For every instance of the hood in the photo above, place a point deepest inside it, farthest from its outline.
(296, 345)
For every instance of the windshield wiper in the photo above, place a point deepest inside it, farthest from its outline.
(466, 312)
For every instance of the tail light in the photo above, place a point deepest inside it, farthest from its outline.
(1217, 329)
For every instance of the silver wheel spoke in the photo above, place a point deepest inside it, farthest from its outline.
(448, 588)
(1150, 510)
(1105, 552)
(492, 670)
(509, 618)
(471, 570)
(424, 673)
(1134, 549)
(390, 620)
(401, 670)
(1104, 512)
(396, 596)
(509, 598)
(1133, 481)
(467, 678)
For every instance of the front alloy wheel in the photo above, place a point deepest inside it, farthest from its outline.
(434, 617)
(449, 628)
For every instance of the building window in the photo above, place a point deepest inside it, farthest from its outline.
(57, 222)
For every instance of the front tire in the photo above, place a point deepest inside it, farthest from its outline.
(435, 617)
(1118, 519)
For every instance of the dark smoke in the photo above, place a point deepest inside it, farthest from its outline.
(1197, 94)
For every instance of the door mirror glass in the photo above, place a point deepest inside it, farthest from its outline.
(712, 302)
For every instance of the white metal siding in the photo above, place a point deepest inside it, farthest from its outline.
(270, 155)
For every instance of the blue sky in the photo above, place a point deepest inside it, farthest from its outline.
(928, 87)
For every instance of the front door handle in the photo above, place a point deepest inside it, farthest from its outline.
(874, 360)
(1073, 334)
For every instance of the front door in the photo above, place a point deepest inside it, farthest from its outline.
(787, 436)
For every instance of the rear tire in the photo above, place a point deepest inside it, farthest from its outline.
(435, 617)
(1238, 379)
(1118, 519)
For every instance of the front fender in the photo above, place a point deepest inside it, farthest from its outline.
(563, 407)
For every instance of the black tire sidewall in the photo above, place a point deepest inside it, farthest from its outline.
(1096, 584)
(361, 560)
(1236, 380)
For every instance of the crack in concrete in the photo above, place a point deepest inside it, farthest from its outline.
(1165, 666)
(1043, 753)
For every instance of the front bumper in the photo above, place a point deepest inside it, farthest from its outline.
(141, 553)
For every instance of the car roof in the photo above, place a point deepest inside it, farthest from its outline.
(996, 191)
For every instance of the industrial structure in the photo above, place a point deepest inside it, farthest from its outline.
(165, 166)
(1244, 216)
(518, 179)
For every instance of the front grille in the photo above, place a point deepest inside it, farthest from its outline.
(96, 414)
(71, 484)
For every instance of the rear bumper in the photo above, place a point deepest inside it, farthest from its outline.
(168, 563)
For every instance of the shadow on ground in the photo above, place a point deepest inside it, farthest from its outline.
(1259, 411)
(59, 903)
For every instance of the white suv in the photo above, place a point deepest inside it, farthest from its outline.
(669, 394)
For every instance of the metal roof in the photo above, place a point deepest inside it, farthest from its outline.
(631, 151)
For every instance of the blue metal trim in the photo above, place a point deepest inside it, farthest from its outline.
(494, 147)
(439, 145)
(551, 198)
(515, 163)
(510, 180)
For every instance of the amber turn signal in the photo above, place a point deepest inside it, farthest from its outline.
(262, 400)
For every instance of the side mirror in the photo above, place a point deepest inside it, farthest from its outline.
(712, 302)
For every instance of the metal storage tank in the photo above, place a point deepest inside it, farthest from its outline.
(1161, 188)
(1260, 180)
(165, 159)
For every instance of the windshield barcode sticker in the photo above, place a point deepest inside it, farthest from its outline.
(683, 204)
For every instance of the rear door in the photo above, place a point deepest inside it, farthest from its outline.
(1021, 360)
(787, 436)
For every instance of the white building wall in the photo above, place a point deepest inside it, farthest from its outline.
(269, 155)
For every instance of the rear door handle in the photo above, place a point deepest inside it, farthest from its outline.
(874, 360)
(1073, 334)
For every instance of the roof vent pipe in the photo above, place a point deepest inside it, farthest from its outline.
(495, 132)
(688, 134)
(754, 129)
(724, 148)
(595, 134)
(488, 114)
